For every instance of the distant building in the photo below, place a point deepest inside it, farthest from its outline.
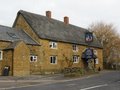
(42, 45)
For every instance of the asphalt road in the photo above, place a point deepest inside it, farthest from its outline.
(104, 81)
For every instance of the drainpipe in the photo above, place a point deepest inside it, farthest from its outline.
(12, 61)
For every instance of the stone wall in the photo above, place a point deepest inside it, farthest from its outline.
(44, 52)
(21, 62)
(6, 58)
(63, 51)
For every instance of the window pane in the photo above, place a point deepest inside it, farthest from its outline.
(50, 59)
(53, 45)
(0, 55)
(53, 59)
(75, 48)
(75, 59)
(33, 58)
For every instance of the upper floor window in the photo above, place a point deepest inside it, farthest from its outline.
(95, 52)
(1, 55)
(75, 47)
(33, 58)
(53, 59)
(53, 44)
(75, 59)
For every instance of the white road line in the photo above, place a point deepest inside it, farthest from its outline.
(70, 84)
(94, 87)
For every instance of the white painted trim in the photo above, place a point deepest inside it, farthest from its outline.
(94, 87)
(34, 57)
(55, 60)
(51, 44)
(1, 55)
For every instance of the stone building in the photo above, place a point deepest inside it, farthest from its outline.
(14, 51)
(46, 45)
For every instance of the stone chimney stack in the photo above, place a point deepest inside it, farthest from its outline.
(66, 20)
(48, 14)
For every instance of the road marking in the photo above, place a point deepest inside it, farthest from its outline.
(70, 84)
(94, 87)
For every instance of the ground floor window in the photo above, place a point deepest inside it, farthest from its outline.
(96, 61)
(75, 59)
(1, 55)
(53, 59)
(33, 58)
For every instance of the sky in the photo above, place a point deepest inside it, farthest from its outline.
(80, 12)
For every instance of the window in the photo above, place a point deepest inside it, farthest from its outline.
(96, 61)
(75, 59)
(33, 58)
(75, 47)
(1, 55)
(53, 45)
(95, 52)
(53, 59)
(13, 35)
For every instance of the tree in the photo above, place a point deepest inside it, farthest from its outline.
(108, 37)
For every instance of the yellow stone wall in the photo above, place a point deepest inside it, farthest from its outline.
(21, 63)
(7, 57)
(64, 50)
(100, 58)
(35, 67)
(4, 44)
(21, 23)
(44, 52)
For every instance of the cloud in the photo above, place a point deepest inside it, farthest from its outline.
(81, 12)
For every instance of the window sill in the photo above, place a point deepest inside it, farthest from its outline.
(53, 48)
(75, 51)
(75, 62)
(53, 63)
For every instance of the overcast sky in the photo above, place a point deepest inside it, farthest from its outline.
(81, 12)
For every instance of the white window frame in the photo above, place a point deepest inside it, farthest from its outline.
(96, 61)
(76, 58)
(53, 44)
(33, 58)
(75, 47)
(95, 52)
(1, 55)
(52, 61)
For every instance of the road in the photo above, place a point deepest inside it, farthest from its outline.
(105, 81)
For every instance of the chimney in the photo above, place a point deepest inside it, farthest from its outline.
(48, 14)
(66, 20)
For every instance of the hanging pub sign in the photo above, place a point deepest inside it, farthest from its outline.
(88, 37)
(89, 53)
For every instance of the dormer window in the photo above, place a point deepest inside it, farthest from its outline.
(53, 45)
(75, 47)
